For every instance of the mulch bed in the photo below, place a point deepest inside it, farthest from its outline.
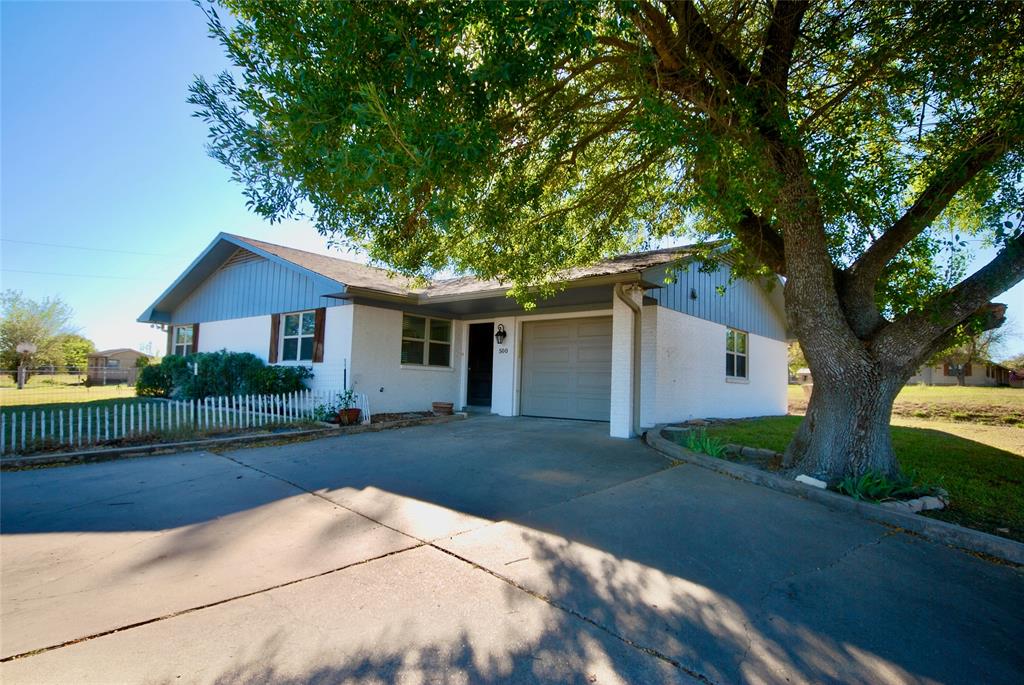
(400, 416)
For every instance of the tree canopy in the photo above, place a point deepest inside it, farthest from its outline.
(44, 323)
(512, 139)
(854, 147)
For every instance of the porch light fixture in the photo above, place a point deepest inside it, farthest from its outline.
(500, 334)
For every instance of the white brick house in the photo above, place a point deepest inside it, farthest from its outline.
(637, 340)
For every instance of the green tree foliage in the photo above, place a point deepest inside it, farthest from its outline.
(850, 146)
(796, 358)
(44, 323)
(75, 350)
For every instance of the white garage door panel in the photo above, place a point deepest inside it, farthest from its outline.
(567, 368)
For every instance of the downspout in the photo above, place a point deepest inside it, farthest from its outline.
(620, 292)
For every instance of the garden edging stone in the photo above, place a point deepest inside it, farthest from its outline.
(931, 529)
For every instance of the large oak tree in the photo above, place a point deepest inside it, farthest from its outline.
(852, 147)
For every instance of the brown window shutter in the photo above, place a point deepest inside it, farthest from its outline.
(318, 334)
(170, 339)
(275, 331)
(945, 369)
(967, 369)
(195, 338)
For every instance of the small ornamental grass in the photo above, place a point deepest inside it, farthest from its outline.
(700, 441)
(874, 486)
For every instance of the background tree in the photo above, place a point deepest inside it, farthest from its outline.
(42, 323)
(75, 350)
(796, 357)
(848, 146)
(1014, 363)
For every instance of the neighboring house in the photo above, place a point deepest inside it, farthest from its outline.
(113, 366)
(803, 376)
(618, 344)
(981, 374)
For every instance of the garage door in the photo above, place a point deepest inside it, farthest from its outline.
(567, 368)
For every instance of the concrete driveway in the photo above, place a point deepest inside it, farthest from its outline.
(489, 550)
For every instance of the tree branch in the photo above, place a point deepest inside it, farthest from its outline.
(780, 41)
(978, 156)
(700, 39)
(915, 334)
(762, 241)
(859, 280)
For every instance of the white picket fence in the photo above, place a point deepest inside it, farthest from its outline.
(82, 427)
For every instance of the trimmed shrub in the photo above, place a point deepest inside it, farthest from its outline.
(218, 374)
(153, 381)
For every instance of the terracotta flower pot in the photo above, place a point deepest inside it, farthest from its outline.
(349, 417)
(442, 408)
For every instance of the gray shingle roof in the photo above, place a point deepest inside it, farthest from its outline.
(340, 270)
(372, 278)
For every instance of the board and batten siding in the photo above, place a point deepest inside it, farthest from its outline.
(249, 285)
(743, 305)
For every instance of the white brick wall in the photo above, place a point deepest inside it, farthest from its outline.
(688, 376)
(252, 334)
(622, 365)
(377, 369)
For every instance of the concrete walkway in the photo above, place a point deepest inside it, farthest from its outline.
(489, 550)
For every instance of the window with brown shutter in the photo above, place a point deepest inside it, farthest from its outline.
(318, 334)
(195, 338)
(275, 333)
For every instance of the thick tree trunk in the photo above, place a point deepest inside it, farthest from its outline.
(846, 428)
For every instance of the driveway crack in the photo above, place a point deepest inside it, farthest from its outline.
(190, 610)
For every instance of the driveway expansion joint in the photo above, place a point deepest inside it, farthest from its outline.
(547, 600)
(191, 610)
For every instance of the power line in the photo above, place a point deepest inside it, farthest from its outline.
(76, 275)
(91, 249)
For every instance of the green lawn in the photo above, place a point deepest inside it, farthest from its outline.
(985, 484)
(80, 401)
(42, 394)
(992, 406)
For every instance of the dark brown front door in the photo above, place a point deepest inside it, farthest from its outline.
(480, 358)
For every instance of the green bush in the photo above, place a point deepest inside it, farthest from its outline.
(153, 381)
(276, 380)
(218, 374)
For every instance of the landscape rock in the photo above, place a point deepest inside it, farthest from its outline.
(697, 422)
(813, 482)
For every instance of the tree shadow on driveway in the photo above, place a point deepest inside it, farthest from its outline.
(722, 578)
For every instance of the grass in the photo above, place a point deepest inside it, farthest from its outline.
(985, 482)
(989, 406)
(98, 399)
(40, 396)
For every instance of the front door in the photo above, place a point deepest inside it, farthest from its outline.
(480, 360)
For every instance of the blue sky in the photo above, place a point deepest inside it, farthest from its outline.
(98, 150)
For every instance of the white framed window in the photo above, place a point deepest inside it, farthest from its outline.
(297, 336)
(182, 340)
(113, 363)
(426, 341)
(735, 354)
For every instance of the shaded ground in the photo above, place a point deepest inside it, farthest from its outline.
(487, 550)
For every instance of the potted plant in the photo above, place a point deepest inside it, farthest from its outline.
(348, 412)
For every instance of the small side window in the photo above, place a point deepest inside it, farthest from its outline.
(735, 354)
